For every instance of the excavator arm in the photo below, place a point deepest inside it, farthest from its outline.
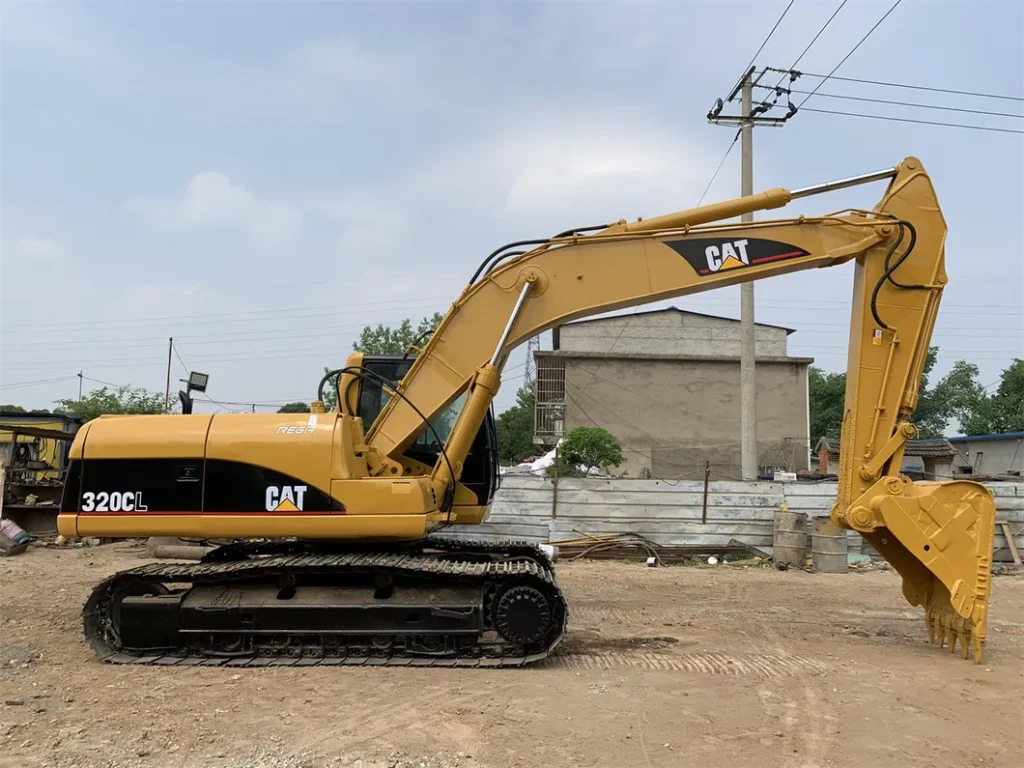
(938, 536)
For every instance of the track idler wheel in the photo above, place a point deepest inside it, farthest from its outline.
(523, 615)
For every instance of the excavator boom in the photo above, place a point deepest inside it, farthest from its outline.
(367, 477)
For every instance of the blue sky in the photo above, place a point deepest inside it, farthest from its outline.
(261, 179)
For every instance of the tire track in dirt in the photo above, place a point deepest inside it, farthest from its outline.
(804, 720)
(763, 665)
(377, 721)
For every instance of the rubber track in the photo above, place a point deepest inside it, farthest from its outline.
(507, 547)
(519, 571)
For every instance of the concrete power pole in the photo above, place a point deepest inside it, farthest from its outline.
(533, 345)
(167, 391)
(749, 117)
(748, 336)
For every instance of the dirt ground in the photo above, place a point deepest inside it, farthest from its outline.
(675, 666)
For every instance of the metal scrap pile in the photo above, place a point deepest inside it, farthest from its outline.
(624, 546)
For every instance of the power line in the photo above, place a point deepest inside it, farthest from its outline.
(901, 103)
(733, 91)
(913, 87)
(910, 120)
(241, 337)
(37, 382)
(763, 44)
(805, 50)
(156, 341)
(104, 383)
(135, 322)
(405, 279)
(178, 355)
(719, 168)
(249, 353)
(1012, 311)
(815, 38)
(852, 50)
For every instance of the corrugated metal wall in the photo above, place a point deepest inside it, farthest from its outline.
(670, 512)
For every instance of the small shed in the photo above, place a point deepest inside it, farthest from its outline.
(996, 454)
(33, 463)
(928, 459)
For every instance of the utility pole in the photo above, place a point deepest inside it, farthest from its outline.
(167, 391)
(748, 117)
(532, 346)
(79, 386)
(748, 336)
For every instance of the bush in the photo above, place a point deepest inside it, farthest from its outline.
(587, 448)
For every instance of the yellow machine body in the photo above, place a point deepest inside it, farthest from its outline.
(328, 476)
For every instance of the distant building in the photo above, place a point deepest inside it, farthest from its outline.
(666, 383)
(999, 454)
(930, 459)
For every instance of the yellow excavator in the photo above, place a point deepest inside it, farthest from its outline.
(335, 520)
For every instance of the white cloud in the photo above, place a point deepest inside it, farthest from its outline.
(345, 60)
(552, 171)
(41, 250)
(62, 33)
(211, 200)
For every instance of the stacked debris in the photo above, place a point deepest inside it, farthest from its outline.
(626, 546)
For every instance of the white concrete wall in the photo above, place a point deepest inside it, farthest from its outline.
(671, 513)
(668, 333)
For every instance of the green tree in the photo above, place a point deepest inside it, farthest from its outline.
(1007, 404)
(957, 398)
(330, 392)
(383, 340)
(827, 393)
(515, 428)
(590, 448)
(294, 408)
(387, 340)
(119, 400)
(963, 399)
(9, 408)
(933, 411)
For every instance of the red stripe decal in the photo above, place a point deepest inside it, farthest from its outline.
(789, 255)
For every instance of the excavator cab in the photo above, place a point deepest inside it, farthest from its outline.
(480, 472)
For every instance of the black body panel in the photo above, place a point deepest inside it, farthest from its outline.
(233, 486)
(187, 485)
(154, 485)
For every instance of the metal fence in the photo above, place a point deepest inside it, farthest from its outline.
(671, 513)
(549, 412)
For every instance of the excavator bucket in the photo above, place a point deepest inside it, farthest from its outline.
(938, 536)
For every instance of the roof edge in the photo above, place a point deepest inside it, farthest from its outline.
(990, 436)
(573, 354)
(680, 311)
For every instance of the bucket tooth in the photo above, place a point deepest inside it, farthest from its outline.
(939, 537)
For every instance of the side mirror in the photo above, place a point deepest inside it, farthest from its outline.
(186, 401)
